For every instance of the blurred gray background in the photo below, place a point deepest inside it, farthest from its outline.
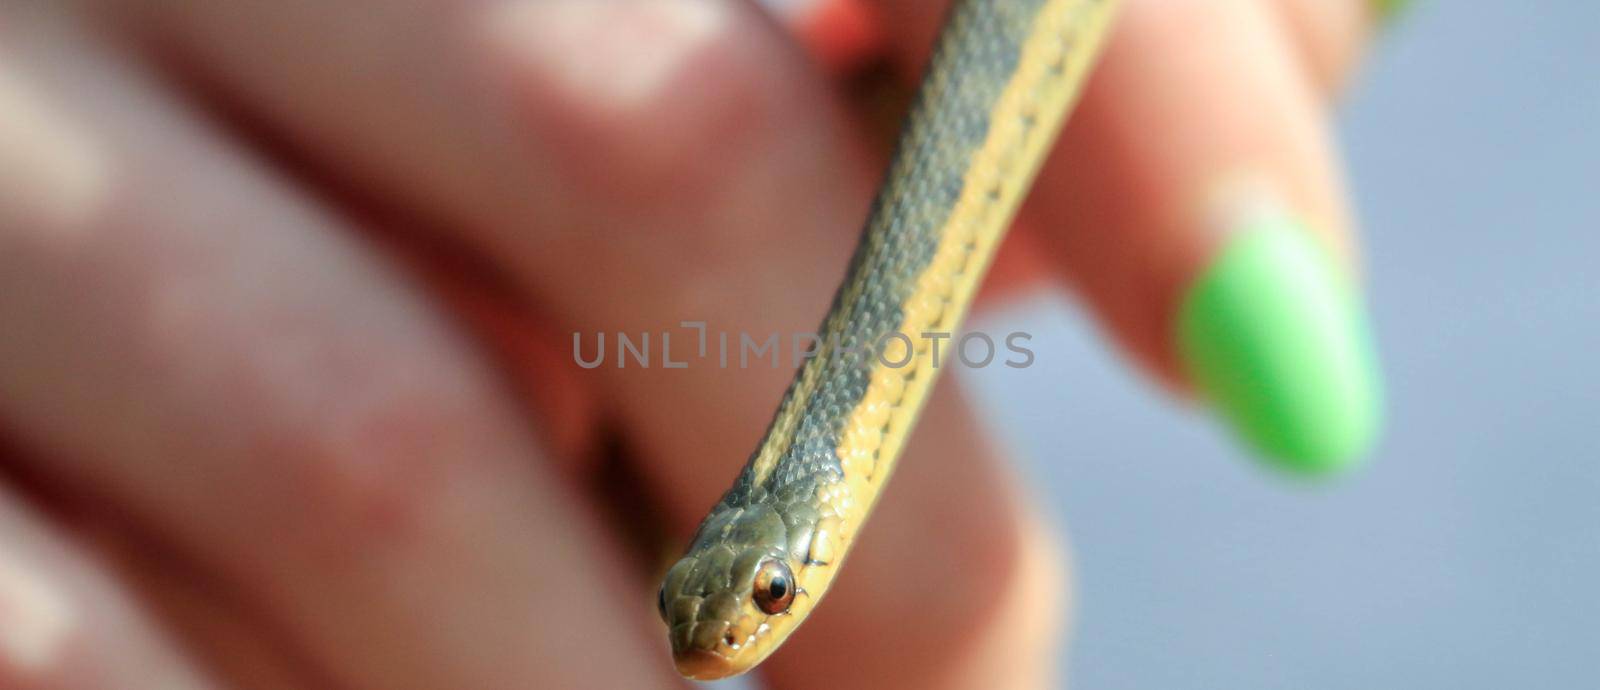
(1468, 554)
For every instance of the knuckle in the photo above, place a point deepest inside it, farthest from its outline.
(630, 100)
(368, 477)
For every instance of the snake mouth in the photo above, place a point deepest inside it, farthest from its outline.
(700, 664)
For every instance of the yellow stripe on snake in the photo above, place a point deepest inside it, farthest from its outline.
(1002, 77)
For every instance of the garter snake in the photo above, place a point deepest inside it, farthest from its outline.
(1002, 76)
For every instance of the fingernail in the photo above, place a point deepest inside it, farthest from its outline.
(617, 55)
(1275, 340)
(1388, 10)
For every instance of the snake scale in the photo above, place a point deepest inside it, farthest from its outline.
(1001, 79)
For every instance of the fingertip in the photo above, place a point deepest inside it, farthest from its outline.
(1255, 314)
(1388, 11)
(957, 582)
(1021, 647)
(1275, 340)
(840, 34)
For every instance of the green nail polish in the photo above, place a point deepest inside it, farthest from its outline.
(1388, 10)
(1274, 338)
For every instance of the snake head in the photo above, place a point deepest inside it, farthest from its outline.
(746, 582)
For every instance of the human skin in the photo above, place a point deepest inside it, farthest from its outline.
(286, 290)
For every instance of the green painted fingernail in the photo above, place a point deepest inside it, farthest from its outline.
(1275, 339)
(1388, 10)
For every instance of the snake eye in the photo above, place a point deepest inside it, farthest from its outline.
(774, 587)
(661, 602)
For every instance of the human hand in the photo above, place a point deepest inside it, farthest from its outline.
(286, 291)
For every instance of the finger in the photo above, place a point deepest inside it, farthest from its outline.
(244, 650)
(956, 582)
(1232, 270)
(65, 623)
(1195, 202)
(538, 361)
(1328, 37)
(268, 394)
(785, 198)
(212, 633)
(781, 209)
(667, 161)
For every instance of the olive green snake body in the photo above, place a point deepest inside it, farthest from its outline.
(1002, 77)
